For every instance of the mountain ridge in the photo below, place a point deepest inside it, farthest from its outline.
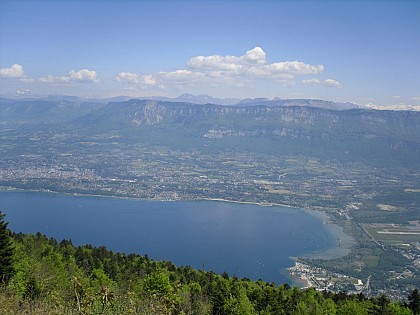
(363, 132)
(207, 99)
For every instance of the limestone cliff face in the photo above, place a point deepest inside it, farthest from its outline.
(150, 113)
(270, 126)
(393, 129)
(140, 112)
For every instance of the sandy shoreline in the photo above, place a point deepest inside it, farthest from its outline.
(342, 244)
(342, 247)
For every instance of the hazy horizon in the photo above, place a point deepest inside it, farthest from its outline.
(360, 52)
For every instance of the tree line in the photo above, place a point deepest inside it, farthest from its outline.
(40, 275)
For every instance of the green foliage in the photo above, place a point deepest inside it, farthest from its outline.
(32, 290)
(6, 251)
(398, 309)
(414, 301)
(59, 278)
(239, 305)
(157, 283)
(328, 307)
(381, 305)
(353, 307)
(100, 279)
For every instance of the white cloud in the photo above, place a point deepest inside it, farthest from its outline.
(313, 81)
(20, 92)
(294, 67)
(181, 75)
(83, 75)
(252, 63)
(127, 77)
(256, 55)
(215, 62)
(416, 98)
(250, 66)
(218, 70)
(333, 83)
(14, 72)
(148, 79)
(134, 78)
(53, 79)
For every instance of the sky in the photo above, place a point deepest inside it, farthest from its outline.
(356, 51)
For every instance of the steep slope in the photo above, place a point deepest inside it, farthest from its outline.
(385, 136)
(42, 111)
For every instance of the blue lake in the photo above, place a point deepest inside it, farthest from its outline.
(246, 240)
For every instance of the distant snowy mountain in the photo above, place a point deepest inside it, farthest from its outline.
(277, 102)
(394, 107)
(207, 99)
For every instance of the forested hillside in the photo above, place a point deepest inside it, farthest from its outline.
(44, 276)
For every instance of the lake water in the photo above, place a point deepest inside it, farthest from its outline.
(246, 240)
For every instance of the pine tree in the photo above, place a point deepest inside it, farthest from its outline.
(414, 299)
(382, 304)
(6, 251)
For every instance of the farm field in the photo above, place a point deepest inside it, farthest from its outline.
(394, 234)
